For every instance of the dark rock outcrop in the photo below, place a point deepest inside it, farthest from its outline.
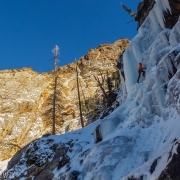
(39, 158)
(171, 18)
(153, 166)
(98, 136)
(132, 178)
(74, 175)
(172, 170)
(143, 10)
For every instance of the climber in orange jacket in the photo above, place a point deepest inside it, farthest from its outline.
(140, 70)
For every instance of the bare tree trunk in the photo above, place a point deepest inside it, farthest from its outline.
(82, 123)
(54, 106)
(101, 85)
(104, 93)
(55, 52)
(85, 101)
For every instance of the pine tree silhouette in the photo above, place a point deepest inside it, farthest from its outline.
(129, 10)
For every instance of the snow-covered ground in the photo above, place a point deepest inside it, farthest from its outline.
(145, 128)
(3, 165)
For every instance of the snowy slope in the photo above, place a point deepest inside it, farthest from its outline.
(143, 130)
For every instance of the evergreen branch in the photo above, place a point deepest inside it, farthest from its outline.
(133, 14)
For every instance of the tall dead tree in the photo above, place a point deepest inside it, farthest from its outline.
(55, 52)
(79, 98)
(85, 101)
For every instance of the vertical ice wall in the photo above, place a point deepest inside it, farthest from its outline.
(147, 34)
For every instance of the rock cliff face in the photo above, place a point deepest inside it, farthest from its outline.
(143, 10)
(26, 97)
(22, 94)
(171, 18)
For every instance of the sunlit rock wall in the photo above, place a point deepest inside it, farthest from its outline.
(26, 97)
(22, 93)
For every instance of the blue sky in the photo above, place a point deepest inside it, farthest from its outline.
(29, 29)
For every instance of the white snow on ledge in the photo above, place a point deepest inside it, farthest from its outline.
(3, 165)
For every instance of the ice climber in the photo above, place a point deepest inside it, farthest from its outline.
(140, 70)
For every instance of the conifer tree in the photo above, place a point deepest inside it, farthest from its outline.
(129, 10)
